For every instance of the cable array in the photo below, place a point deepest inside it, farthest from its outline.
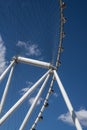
(62, 5)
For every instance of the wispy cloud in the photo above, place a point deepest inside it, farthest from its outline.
(81, 114)
(29, 83)
(30, 48)
(55, 94)
(23, 90)
(2, 55)
(33, 98)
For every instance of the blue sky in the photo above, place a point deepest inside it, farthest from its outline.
(30, 28)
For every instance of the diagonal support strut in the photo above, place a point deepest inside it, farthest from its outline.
(68, 103)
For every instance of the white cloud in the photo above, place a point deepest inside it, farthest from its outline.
(24, 90)
(30, 49)
(55, 95)
(32, 99)
(21, 43)
(2, 55)
(81, 114)
(66, 118)
(29, 83)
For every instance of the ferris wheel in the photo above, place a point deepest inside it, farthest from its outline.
(51, 73)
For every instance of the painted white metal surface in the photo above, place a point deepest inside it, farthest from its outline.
(34, 62)
(67, 101)
(23, 98)
(33, 104)
(6, 89)
(43, 106)
(7, 69)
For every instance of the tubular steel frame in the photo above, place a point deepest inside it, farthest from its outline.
(51, 70)
(45, 77)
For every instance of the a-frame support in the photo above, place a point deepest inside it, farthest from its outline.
(44, 78)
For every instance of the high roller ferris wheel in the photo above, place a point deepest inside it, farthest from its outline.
(52, 71)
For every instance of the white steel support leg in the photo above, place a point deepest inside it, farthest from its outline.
(7, 69)
(68, 103)
(6, 89)
(20, 101)
(33, 104)
(43, 106)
